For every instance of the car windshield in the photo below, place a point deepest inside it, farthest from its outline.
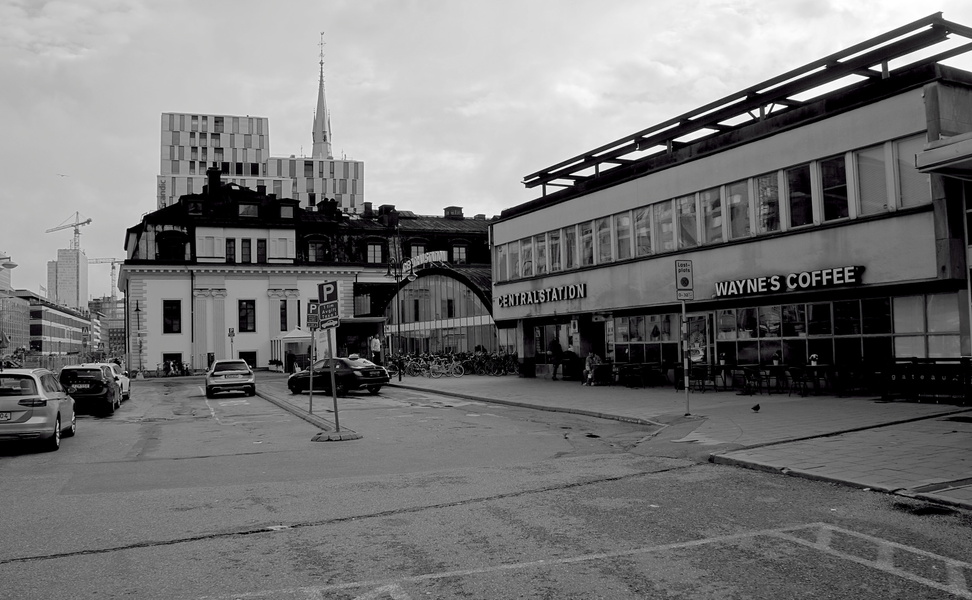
(236, 365)
(82, 373)
(17, 385)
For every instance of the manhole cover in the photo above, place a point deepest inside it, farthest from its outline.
(959, 419)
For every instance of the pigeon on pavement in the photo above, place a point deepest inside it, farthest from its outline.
(756, 408)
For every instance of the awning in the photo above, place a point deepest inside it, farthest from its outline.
(951, 157)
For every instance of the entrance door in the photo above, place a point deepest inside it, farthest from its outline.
(699, 338)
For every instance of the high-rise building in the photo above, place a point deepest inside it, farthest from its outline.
(67, 279)
(240, 147)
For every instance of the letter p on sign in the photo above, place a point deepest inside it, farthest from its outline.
(327, 292)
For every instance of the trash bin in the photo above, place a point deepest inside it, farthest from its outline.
(528, 367)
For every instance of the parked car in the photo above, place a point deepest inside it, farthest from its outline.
(121, 376)
(34, 406)
(230, 375)
(93, 387)
(350, 373)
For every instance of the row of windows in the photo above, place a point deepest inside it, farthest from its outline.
(377, 252)
(246, 316)
(251, 125)
(866, 182)
(246, 250)
(333, 170)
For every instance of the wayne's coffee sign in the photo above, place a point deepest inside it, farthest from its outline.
(804, 280)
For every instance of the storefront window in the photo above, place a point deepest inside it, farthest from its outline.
(738, 200)
(553, 239)
(909, 315)
(711, 201)
(819, 320)
(767, 203)
(872, 180)
(876, 313)
(622, 228)
(798, 196)
(726, 324)
(636, 329)
(664, 228)
(642, 224)
(540, 249)
(943, 313)
(586, 244)
(621, 329)
(943, 346)
(914, 188)
(603, 226)
(847, 317)
(746, 323)
(909, 347)
(769, 321)
(570, 248)
(688, 222)
(833, 176)
(794, 320)
(526, 257)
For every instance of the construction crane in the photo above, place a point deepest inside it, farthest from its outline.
(76, 242)
(104, 261)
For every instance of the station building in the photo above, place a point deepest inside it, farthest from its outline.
(807, 227)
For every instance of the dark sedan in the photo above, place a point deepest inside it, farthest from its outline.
(351, 373)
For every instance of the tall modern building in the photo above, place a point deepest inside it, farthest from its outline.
(67, 279)
(240, 147)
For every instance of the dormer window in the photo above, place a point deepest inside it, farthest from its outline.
(194, 208)
(286, 212)
(249, 210)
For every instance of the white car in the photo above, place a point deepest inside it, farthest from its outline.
(121, 376)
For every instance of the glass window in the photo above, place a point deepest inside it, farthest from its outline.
(746, 324)
(501, 272)
(317, 251)
(943, 313)
(688, 222)
(514, 260)
(769, 321)
(247, 316)
(553, 239)
(738, 200)
(664, 226)
(586, 243)
(798, 196)
(819, 320)
(459, 254)
(249, 210)
(636, 329)
(876, 315)
(943, 346)
(833, 176)
(621, 329)
(283, 316)
(726, 324)
(767, 203)
(909, 346)
(871, 180)
(172, 316)
(602, 228)
(570, 248)
(711, 201)
(914, 188)
(230, 250)
(526, 257)
(622, 228)
(540, 250)
(909, 315)
(416, 250)
(794, 320)
(642, 225)
(847, 317)
(374, 253)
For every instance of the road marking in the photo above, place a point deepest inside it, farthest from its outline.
(212, 411)
(824, 536)
(232, 402)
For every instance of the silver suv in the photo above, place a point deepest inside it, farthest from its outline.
(230, 375)
(34, 406)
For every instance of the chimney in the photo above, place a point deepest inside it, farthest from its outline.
(481, 217)
(262, 190)
(212, 175)
(453, 212)
(368, 213)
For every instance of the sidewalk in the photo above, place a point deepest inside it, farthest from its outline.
(915, 449)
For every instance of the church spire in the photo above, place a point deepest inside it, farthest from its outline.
(322, 119)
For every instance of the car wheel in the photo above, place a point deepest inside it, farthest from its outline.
(53, 443)
(117, 402)
(294, 389)
(374, 389)
(251, 391)
(209, 392)
(342, 389)
(127, 394)
(73, 429)
(110, 409)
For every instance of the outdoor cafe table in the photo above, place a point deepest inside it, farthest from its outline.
(817, 373)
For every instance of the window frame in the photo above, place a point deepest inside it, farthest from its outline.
(246, 316)
(172, 323)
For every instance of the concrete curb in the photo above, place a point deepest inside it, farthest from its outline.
(328, 433)
(574, 411)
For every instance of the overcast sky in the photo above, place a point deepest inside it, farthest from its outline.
(447, 102)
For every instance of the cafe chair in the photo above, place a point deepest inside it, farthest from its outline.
(797, 380)
(752, 381)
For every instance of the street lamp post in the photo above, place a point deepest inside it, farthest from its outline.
(138, 333)
(5, 264)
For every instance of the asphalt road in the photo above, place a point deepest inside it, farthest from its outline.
(177, 496)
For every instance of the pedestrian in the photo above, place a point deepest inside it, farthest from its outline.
(556, 353)
(590, 365)
(166, 367)
(375, 349)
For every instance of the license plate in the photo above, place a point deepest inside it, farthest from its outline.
(82, 386)
(233, 376)
(4, 416)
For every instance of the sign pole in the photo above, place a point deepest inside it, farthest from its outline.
(330, 351)
(685, 357)
(313, 355)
